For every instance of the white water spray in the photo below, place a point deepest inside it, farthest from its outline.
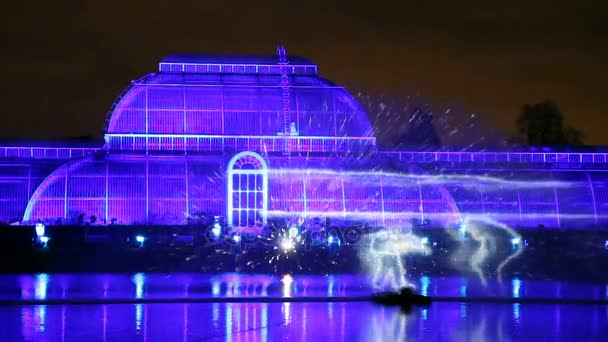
(384, 257)
(477, 227)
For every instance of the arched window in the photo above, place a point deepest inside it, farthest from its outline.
(247, 190)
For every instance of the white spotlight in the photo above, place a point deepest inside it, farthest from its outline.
(216, 230)
(44, 240)
(40, 229)
(287, 245)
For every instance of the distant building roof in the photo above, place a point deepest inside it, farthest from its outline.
(231, 59)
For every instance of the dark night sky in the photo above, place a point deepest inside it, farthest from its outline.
(64, 61)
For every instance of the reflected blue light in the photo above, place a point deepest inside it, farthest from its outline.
(286, 310)
(264, 322)
(424, 240)
(463, 310)
(236, 238)
(463, 289)
(287, 281)
(215, 313)
(606, 245)
(228, 322)
(41, 286)
(215, 288)
(516, 284)
(516, 312)
(331, 281)
(424, 285)
(139, 315)
(139, 279)
(41, 317)
(425, 314)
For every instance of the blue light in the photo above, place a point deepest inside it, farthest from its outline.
(293, 232)
(139, 279)
(333, 240)
(216, 230)
(424, 240)
(462, 230)
(516, 284)
(236, 238)
(515, 243)
(606, 245)
(40, 229)
(424, 285)
(41, 286)
(140, 239)
(215, 288)
(44, 239)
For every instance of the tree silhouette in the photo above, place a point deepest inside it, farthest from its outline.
(421, 130)
(405, 122)
(410, 122)
(542, 124)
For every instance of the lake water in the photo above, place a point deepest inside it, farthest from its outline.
(79, 308)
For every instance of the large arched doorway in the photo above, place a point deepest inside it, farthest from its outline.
(247, 190)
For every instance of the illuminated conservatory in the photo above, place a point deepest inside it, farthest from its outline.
(254, 138)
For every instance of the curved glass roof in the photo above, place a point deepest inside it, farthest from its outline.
(237, 96)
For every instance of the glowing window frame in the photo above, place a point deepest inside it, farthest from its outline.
(261, 169)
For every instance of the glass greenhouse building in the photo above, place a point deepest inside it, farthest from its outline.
(254, 138)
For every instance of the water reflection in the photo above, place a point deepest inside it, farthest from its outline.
(516, 286)
(34, 318)
(424, 285)
(140, 286)
(139, 279)
(299, 321)
(331, 321)
(228, 322)
(41, 286)
(287, 282)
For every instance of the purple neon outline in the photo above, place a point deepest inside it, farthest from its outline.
(230, 170)
(63, 170)
(291, 68)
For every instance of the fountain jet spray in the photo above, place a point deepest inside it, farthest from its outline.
(384, 257)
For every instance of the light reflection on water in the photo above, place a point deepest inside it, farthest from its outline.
(269, 321)
(299, 321)
(149, 286)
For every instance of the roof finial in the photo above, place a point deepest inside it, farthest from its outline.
(282, 53)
